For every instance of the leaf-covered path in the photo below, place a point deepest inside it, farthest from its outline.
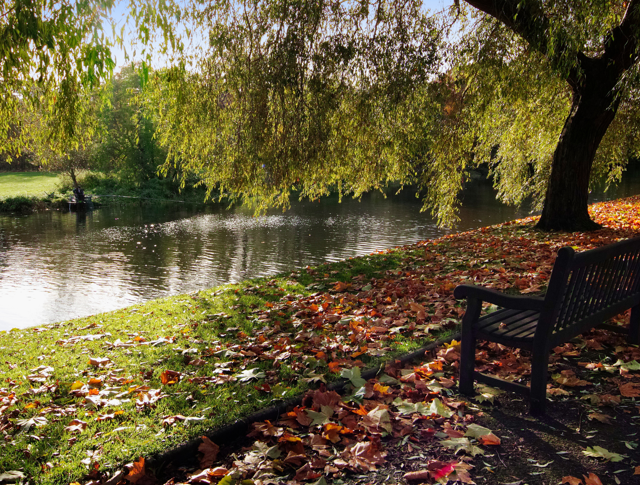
(132, 383)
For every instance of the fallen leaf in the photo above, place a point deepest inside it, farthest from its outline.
(76, 426)
(250, 374)
(353, 375)
(592, 479)
(137, 471)
(170, 377)
(571, 480)
(99, 361)
(209, 452)
(631, 389)
(603, 418)
(599, 452)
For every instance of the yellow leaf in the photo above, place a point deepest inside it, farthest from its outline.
(76, 385)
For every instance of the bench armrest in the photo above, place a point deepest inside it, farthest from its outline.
(498, 298)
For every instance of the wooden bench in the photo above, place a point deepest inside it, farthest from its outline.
(585, 289)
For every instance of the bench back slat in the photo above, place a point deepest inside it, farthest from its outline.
(594, 281)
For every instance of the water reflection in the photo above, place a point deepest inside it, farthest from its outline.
(55, 266)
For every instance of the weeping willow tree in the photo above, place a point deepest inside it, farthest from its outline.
(52, 54)
(313, 96)
(305, 96)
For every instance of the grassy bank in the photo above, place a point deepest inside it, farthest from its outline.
(81, 398)
(33, 191)
(28, 184)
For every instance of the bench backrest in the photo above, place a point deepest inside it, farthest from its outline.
(589, 287)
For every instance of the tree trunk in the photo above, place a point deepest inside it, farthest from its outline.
(594, 106)
(72, 174)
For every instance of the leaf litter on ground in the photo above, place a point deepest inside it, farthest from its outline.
(140, 375)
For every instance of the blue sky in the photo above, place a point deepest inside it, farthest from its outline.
(120, 11)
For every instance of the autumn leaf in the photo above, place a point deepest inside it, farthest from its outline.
(462, 444)
(603, 418)
(378, 418)
(209, 452)
(599, 452)
(571, 480)
(137, 471)
(570, 381)
(76, 426)
(436, 407)
(170, 377)
(408, 407)
(631, 389)
(353, 375)
(99, 361)
(592, 479)
(250, 374)
(12, 476)
(340, 286)
(34, 422)
(633, 365)
(487, 393)
(320, 418)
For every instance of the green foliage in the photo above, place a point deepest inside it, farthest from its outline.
(311, 96)
(50, 54)
(128, 146)
(20, 203)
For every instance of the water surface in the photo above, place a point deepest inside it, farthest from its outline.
(56, 266)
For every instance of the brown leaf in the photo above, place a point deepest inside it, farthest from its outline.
(99, 361)
(571, 381)
(489, 439)
(76, 426)
(603, 418)
(169, 377)
(571, 480)
(137, 471)
(306, 473)
(209, 452)
(630, 389)
(592, 479)
(419, 475)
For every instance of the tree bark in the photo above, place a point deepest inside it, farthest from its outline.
(594, 106)
(595, 85)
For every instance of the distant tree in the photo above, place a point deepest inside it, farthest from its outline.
(128, 145)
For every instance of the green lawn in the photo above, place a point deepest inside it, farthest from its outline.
(14, 184)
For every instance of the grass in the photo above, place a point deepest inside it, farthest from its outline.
(27, 184)
(60, 403)
(94, 393)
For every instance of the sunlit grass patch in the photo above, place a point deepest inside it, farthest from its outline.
(100, 391)
(28, 184)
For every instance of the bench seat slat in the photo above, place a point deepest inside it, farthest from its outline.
(518, 324)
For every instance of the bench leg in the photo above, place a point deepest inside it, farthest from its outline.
(539, 374)
(468, 346)
(634, 326)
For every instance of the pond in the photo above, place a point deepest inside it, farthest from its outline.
(56, 266)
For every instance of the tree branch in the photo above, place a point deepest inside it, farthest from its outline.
(525, 18)
(621, 46)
